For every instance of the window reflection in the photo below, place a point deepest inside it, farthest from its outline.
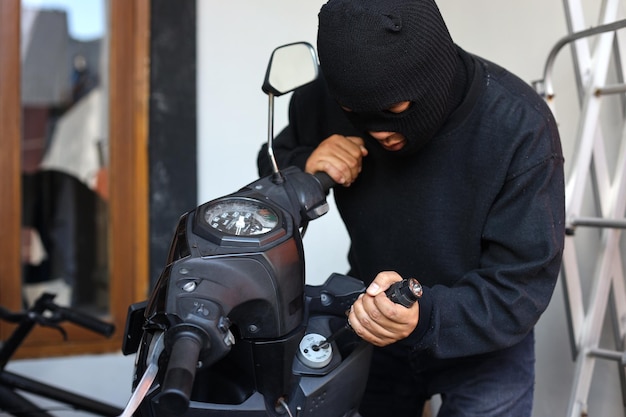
(64, 152)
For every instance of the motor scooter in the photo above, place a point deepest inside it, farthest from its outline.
(231, 328)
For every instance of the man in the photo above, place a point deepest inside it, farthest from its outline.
(452, 172)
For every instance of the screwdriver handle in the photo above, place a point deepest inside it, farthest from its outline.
(405, 292)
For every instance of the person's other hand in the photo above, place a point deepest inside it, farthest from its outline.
(340, 157)
(379, 320)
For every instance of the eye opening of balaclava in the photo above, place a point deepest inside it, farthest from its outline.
(376, 53)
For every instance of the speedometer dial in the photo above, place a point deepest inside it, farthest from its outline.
(241, 217)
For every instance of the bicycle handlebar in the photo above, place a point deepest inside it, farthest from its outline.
(84, 320)
(26, 320)
(45, 302)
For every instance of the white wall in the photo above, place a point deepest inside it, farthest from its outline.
(236, 38)
(235, 41)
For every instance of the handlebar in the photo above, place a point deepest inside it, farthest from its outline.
(84, 320)
(26, 320)
(44, 303)
(325, 180)
(186, 345)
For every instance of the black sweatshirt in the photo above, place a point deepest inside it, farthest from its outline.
(477, 215)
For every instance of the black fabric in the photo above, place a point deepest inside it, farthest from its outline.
(378, 53)
(495, 384)
(477, 215)
(408, 122)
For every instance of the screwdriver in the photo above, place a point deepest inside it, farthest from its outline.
(405, 292)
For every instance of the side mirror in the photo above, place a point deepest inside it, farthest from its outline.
(291, 66)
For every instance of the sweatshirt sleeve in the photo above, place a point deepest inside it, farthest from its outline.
(498, 303)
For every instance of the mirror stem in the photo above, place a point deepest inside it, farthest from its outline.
(277, 177)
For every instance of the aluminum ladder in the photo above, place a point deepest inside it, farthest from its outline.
(597, 56)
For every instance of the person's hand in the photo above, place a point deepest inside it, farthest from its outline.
(379, 320)
(340, 157)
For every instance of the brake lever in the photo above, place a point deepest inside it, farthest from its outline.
(52, 323)
(147, 378)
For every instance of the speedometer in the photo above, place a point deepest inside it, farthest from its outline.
(241, 217)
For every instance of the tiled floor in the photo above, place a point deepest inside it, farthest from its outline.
(104, 377)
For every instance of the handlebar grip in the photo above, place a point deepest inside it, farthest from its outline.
(181, 372)
(86, 321)
(325, 180)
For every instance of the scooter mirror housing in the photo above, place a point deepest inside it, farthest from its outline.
(291, 66)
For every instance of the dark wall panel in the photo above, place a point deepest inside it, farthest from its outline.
(172, 146)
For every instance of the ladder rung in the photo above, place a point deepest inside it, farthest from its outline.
(608, 354)
(611, 89)
(599, 222)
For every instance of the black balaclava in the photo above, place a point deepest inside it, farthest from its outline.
(376, 53)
